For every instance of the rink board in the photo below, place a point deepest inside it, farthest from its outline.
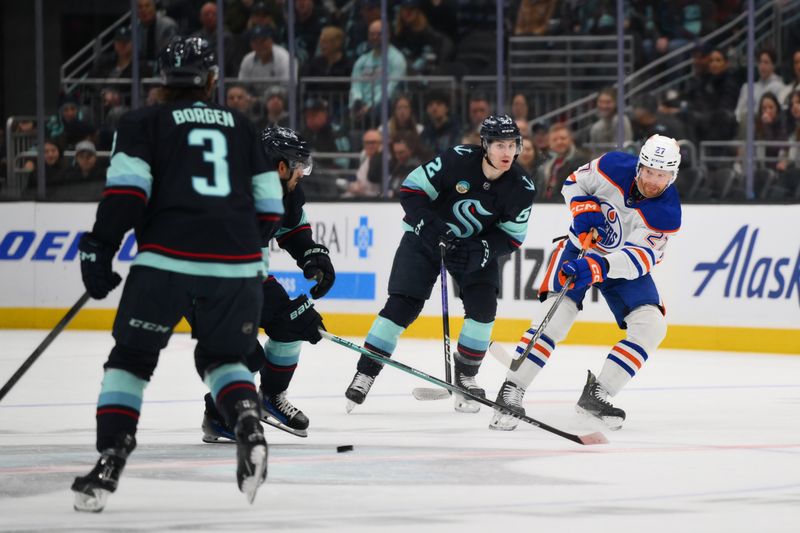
(730, 279)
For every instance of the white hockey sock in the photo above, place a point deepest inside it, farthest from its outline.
(623, 362)
(537, 358)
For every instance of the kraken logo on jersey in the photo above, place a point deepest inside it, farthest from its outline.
(613, 237)
(464, 211)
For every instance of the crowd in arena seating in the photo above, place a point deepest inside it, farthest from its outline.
(341, 40)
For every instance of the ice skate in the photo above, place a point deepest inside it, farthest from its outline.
(92, 490)
(463, 403)
(356, 393)
(251, 450)
(509, 396)
(593, 402)
(215, 429)
(278, 411)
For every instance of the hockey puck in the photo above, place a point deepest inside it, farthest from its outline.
(342, 449)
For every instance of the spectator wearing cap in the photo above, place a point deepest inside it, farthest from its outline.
(440, 131)
(86, 166)
(275, 112)
(208, 31)
(565, 159)
(365, 86)
(67, 127)
(424, 47)
(267, 59)
(155, 29)
(604, 132)
(318, 129)
(117, 64)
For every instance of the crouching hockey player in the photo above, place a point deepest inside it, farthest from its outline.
(191, 178)
(478, 200)
(629, 201)
(288, 322)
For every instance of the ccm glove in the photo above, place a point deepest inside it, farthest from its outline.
(316, 264)
(465, 256)
(584, 272)
(96, 257)
(432, 229)
(586, 214)
(295, 321)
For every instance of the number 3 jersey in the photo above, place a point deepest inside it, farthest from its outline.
(453, 186)
(637, 228)
(193, 180)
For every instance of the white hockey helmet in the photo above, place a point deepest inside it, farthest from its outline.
(662, 153)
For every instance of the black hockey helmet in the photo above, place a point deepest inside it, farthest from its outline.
(284, 144)
(186, 62)
(500, 127)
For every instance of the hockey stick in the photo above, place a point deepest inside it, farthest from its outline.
(44, 344)
(423, 393)
(592, 438)
(501, 355)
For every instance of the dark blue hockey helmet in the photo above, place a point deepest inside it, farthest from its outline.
(186, 62)
(285, 144)
(500, 127)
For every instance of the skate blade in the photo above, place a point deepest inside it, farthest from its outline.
(613, 423)
(251, 484)
(350, 405)
(274, 422)
(425, 395)
(464, 405)
(503, 423)
(90, 503)
(217, 439)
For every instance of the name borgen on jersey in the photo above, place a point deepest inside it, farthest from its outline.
(637, 229)
(471, 204)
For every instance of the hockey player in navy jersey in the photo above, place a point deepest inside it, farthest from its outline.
(632, 205)
(477, 200)
(288, 322)
(191, 178)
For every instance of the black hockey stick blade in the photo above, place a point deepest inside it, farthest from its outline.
(44, 344)
(592, 438)
(426, 394)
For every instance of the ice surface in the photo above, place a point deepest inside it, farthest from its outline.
(712, 443)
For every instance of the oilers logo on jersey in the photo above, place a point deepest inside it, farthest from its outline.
(613, 227)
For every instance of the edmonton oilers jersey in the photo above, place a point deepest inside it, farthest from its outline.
(472, 205)
(194, 181)
(637, 229)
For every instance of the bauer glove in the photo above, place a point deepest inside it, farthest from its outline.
(587, 215)
(297, 320)
(316, 264)
(96, 256)
(584, 272)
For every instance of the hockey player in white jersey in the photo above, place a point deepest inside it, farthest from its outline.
(631, 204)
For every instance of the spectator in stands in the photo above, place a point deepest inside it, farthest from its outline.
(310, 17)
(712, 98)
(321, 133)
(442, 16)
(538, 17)
(540, 134)
(113, 108)
(769, 126)
(440, 130)
(241, 15)
(402, 121)
(358, 28)
(520, 112)
(478, 108)
(86, 166)
(425, 48)
(789, 165)
(648, 121)
(768, 82)
(676, 24)
(527, 157)
(267, 59)
(68, 127)
(155, 29)
(471, 137)
(331, 60)
(565, 160)
(372, 142)
(604, 131)
(791, 87)
(208, 31)
(594, 17)
(154, 96)
(239, 97)
(403, 160)
(118, 64)
(275, 108)
(54, 165)
(365, 88)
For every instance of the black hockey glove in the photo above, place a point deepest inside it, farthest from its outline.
(296, 321)
(316, 264)
(465, 256)
(96, 257)
(432, 229)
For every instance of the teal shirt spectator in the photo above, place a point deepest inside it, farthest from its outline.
(366, 77)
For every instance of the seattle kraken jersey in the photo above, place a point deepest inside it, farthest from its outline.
(294, 235)
(194, 181)
(454, 187)
(637, 228)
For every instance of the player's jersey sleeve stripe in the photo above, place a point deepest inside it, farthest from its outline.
(648, 251)
(417, 180)
(128, 171)
(268, 193)
(633, 260)
(285, 233)
(129, 191)
(515, 230)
